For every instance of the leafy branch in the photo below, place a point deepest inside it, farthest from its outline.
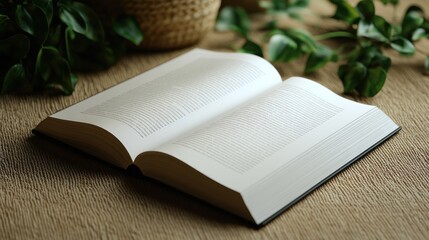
(368, 34)
(366, 66)
(42, 43)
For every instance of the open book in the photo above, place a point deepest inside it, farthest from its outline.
(224, 128)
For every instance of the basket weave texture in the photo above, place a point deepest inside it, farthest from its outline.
(169, 24)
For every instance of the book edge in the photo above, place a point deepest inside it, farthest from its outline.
(276, 214)
(74, 149)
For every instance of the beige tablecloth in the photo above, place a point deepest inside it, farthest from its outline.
(51, 191)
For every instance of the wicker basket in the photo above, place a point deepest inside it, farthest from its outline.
(166, 24)
(169, 24)
(250, 6)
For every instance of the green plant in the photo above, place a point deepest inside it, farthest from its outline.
(43, 42)
(368, 34)
(284, 45)
(290, 8)
(366, 67)
(235, 19)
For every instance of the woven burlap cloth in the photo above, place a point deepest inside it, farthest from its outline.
(49, 191)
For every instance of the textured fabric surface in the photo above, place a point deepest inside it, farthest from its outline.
(49, 191)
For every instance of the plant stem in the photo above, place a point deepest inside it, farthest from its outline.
(336, 34)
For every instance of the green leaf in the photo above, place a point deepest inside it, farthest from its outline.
(3, 20)
(418, 34)
(47, 8)
(270, 25)
(72, 19)
(393, 2)
(24, 20)
(378, 29)
(365, 55)
(366, 9)
(128, 28)
(335, 34)
(233, 19)
(54, 71)
(319, 58)
(345, 12)
(367, 29)
(282, 5)
(365, 71)
(379, 60)
(58, 87)
(93, 28)
(413, 19)
(252, 48)
(403, 46)
(382, 26)
(14, 77)
(282, 48)
(373, 83)
(425, 26)
(6, 26)
(352, 75)
(301, 3)
(32, 20)
(14, 47)
(289, 8)
(354, 54)
(55, 35)
(305, 41)
(82, 19)
(86, 55)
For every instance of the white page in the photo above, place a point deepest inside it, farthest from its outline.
(289, 182)
(283, 144)
(175, 97)
(244, 147)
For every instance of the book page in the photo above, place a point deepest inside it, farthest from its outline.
(276, 149)
(175, 97)
(249, 144)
